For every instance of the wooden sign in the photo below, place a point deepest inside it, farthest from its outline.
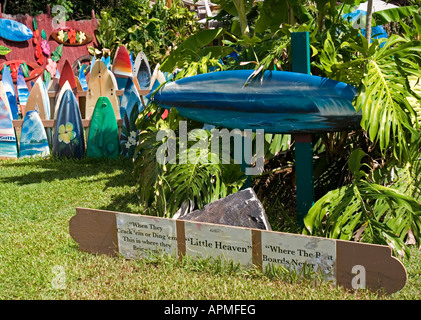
(352, 265)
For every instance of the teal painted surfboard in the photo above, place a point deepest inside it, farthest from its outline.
(103, 139)
(8, 143)
(68, 138)
(33, 139)
(14, 31)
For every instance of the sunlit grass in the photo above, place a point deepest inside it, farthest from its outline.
(39, 259)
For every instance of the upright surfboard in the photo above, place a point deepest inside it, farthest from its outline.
(129, 132)
(9, 89)
(37, 100)
(3, 96)
(59, 97)
(107, 62)
(157, 79)
(280, 102)
(68, 75)
(68, 138)
(92, 64)
(122, 66)
(33, 138)
(128, 91)
(45, 99)
(103, 139)
(23, 91)
(101, 83)
(14, 31)
(142, 71)
(8, 143)
(82, 77)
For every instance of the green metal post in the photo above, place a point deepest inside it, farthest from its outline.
(300, 52)
(244, 165)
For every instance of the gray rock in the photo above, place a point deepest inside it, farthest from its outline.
(241, 209)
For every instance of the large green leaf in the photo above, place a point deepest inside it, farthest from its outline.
(394, 14)
(272, 14)
(366, 211)
(164, 188)
(387, 115)
(191, 45)
(230, 7)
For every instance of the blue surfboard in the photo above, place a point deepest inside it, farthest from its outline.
(14, 31)
(107, 61)
(8, 143)
(92, 64)
(280, 102)
(68, 138)
(142, 71)
(9, 89)
(33, 139)
(125, 98)
(82, 77)
(23, 91)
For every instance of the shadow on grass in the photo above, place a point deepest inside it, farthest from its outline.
(112, 173)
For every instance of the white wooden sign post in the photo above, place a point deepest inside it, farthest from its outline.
(352, 265)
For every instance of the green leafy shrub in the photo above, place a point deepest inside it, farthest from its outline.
(154, 29)
(369, 212)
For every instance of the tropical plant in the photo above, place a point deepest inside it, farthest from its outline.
(154, 29)
(368, 212)
(168, 186)
(386, 75)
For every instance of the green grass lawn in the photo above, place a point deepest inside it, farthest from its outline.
(39, 259)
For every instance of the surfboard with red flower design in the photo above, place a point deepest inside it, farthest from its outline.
(68, 139)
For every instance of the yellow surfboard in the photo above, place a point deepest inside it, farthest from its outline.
(101, 83)
(37, 101)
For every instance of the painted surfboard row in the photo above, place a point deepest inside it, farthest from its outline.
(68, 137)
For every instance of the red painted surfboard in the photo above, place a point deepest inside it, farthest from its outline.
(122, 66)
(68, 75)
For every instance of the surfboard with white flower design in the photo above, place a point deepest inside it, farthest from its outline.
(103, 131)
(68, 138)
(129, 132)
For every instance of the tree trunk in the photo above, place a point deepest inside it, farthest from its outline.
(369, 18)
